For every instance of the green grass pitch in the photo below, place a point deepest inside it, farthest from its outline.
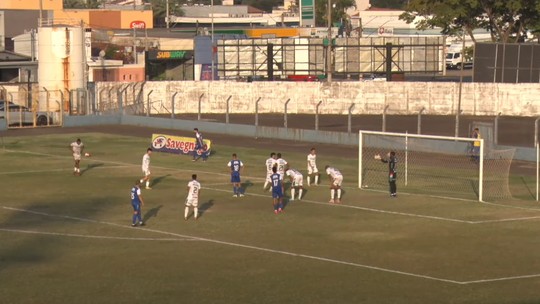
(68, 239)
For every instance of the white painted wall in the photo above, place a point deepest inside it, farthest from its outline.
(408, 98)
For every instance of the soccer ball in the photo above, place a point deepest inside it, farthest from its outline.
(87, 154)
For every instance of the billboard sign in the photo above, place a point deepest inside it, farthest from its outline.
(307, 12)
(137, 24)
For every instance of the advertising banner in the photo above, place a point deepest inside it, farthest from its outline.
(179, 145)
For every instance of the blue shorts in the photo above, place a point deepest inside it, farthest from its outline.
(235, 177)
(277, 193)
(136, 206)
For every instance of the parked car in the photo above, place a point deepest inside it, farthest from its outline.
(21, 115)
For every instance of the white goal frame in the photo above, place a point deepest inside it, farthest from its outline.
(406, 136)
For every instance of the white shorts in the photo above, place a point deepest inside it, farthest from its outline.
(146, 171)
(192, 202)
(338, 180)
(76, 156)
(268, 174)
(311, 170)
(298, 181)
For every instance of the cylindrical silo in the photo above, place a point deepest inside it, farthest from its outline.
(62, 65)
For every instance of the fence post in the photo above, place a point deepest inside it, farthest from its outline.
(101, 100)
(317, 115)
(61, 109)
(419, 123)
(199, 111)
(285, 115)
(257, 117)
(6, 107)
(349, 121)
(536, 130)
(384, 118)
(148, 103)
(172, 105)
(496, 129)
(110, 96)
(227, 110)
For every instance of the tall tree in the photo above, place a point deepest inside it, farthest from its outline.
(339, 8)
(506, 20)
(159, 8)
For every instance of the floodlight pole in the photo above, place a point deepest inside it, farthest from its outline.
(212, 35)
(166, 13)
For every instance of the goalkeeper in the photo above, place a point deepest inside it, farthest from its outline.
(391, 161)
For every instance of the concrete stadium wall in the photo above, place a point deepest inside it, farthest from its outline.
(435, 98)
(308, 136)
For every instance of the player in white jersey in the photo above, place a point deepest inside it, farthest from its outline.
(297, 181)
(146, 168)
(281, 165)
(336, 179)
(192, 200)
(77, 148)
(312, 167)
(270, 163)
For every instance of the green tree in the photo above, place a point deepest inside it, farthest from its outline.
(506, 20)
(84, 4)
(264, 5)
(395, 4)
(159, 8)
(339, 8)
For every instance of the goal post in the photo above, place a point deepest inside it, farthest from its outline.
(454, 167)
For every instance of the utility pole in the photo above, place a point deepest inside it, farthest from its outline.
(212, 37)
(329, 47)
(167, 13)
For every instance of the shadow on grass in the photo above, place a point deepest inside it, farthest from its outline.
(91, 166)
(533, 196)
(204, 207)
(151, 213)
(246, 185)
(158, 180)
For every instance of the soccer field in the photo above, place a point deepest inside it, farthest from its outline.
(68, 239)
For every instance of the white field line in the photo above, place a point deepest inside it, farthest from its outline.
(101, 237)
(356, 207)
(349, 206)
(56, 170)
(305, 256)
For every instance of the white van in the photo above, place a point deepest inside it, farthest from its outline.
(453, 61)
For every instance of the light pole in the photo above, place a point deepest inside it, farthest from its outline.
(167, 14)
(329, 47)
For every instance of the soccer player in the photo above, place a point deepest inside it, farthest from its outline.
(312, 167)
(297, 180)
(270, 163)
(146, 168)
(282, 165)
(391, 161)
(77, 148)
(277, 191)
(199, 145)
(336, 179)
(192, 200)
(136, 203)
(475, 150)
(236, 166)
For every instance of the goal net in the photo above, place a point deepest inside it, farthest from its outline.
(451, 167)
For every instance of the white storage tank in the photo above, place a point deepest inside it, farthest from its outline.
(62, 65)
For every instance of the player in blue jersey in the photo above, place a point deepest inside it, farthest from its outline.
(277, 190)
(199, 146)
(236, 166)
(136, 203)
